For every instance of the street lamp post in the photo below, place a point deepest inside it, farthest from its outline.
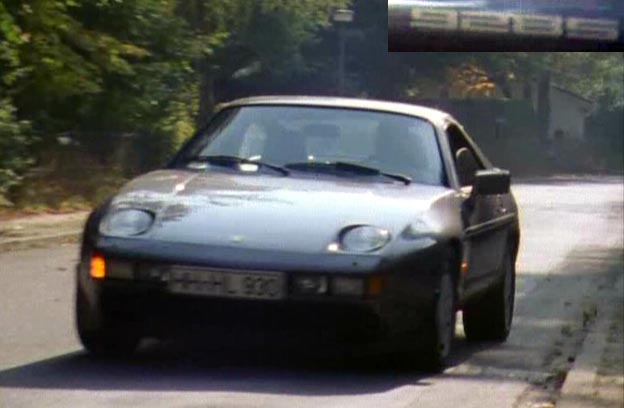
(342, 17)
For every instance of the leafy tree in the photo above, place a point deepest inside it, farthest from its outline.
(62, 58)
(596, 75)
(92, 68)
(104, 66)
(14, 136)
(261, 39)
(156, 94)
(14, 144)
(10, 38)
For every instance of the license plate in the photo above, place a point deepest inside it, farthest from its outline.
(218, 283)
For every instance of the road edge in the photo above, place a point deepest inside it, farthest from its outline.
(18, 244)
(579, 385)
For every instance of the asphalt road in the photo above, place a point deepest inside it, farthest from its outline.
(570, 257)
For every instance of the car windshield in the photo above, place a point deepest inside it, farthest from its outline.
(298, 135)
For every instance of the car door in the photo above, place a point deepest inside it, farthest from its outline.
(484, 238)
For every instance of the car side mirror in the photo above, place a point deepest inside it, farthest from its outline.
(466, 165)
(491, 182)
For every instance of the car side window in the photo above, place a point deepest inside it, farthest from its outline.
(466, 160)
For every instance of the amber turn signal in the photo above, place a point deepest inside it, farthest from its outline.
(98, 267)
(464, 268)
(375, 285)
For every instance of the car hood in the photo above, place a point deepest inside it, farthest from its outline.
(270, 212)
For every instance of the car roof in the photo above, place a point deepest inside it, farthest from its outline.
(435, 116)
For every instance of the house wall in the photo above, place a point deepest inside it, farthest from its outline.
(567, 115)
(506, 131)
(568, 112)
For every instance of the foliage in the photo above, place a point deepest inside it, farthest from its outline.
(241, 41)
(63, 58)
(470, 80)
(10, 38)
(14, 143)
(596, 75)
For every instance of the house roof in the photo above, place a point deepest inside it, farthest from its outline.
(571, 93)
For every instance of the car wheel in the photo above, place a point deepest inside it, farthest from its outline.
(440, 327)
(100, 334)
(490, 317)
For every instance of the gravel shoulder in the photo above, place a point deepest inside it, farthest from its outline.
(40, 230)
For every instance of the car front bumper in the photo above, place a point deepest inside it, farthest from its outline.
(398, 309)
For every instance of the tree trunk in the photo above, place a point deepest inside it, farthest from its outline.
(543, 105)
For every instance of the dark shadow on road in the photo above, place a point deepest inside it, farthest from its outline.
(175, 367)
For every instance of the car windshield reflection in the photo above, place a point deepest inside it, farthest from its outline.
(395, 147)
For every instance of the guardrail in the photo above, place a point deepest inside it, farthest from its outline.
(432, 19)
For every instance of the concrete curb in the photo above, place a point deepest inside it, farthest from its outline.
(579, 390)
(17, 244)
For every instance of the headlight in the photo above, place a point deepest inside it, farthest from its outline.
(127, 222)
(365, 238)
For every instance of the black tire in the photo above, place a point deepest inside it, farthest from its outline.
(108, 338)
(489, 318)
(440, 325)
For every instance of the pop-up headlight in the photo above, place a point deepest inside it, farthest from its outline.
(127, 222)
(364, 238)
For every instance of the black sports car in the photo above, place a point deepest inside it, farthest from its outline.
(359, 220)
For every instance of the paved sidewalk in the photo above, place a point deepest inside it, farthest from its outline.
(40, 230)
(597, 378)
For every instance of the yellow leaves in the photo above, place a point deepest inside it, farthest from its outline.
(470, 80)
(133, 50)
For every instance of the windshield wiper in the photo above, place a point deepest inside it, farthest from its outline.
(225, 160)
(348, 167)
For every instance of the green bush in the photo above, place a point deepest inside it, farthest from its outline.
(15, 140)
